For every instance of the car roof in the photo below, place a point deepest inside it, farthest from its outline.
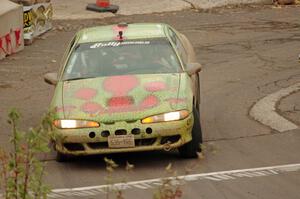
(131, 31)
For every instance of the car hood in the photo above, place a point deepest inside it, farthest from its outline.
(122, 98)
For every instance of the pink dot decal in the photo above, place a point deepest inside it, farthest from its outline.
(120, 85)
(120, 101)
(119, 28)
(155, 86)
(150, 101)
(91, 107)
(85, 93)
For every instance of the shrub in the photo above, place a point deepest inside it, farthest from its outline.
(21, 171)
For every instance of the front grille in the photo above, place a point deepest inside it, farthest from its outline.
(121, 132)
(138, 143)
(145, 142)
(105, 133)
(170, 139)
(98, 145)
(74, 146)
(136, 131)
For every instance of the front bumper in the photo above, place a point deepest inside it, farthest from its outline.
(156, 136)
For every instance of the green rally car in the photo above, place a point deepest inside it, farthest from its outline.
(125, 88)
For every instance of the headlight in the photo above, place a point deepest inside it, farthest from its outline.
(74, 124)
(171, 116)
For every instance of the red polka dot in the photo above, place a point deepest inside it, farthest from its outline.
(120, 85)
(155, 86)
(120, 101)
(119, 28)
(91, 107)
(85, 93)
(150, 101)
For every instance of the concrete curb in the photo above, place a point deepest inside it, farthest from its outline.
(75, 9)
(264, 110)
(209, 4)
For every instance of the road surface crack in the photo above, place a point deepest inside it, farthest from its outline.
(272, 132)
(269, 87)
(193, 7)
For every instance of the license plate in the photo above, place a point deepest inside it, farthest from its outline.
(121, 141)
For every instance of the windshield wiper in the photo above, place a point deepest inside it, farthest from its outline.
(78, 78)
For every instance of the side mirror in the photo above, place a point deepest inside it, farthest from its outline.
(51, 78)
(193, 68)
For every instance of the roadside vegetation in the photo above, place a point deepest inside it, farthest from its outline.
(170, 185)
(21, 170)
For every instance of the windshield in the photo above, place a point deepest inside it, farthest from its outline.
(112, 58)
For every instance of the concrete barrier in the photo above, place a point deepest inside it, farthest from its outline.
(208, 4)
(37, 18)
(11, 28)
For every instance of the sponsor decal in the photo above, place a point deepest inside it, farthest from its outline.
(118, 43)
(28, 18)
(37, 19)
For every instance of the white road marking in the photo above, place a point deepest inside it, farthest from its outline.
(264, 110)
(152, 183)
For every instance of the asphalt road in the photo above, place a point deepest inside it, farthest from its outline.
(247, 53)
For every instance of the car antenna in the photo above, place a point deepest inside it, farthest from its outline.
(121, 27)
(121, 35)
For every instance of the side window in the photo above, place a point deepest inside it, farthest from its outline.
(179, 46)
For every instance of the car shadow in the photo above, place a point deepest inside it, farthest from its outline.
(136, 158)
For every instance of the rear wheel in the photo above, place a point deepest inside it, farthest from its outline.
(191, 149)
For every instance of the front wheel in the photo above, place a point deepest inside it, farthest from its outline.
(192, 148)
(60, 157)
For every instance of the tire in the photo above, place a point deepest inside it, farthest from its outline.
(60, 157)
(198, 97)
(192, 148)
